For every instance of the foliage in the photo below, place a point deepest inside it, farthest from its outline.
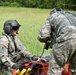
(11, 4)
(67, 4)
(30, 19)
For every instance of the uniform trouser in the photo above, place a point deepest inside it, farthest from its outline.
(73, 73)
(61, 53)
(5, 71)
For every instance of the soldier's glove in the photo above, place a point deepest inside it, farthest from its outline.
(17, 66)
(47, 45)
(34, 57)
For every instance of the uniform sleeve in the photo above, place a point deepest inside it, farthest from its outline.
(45, 31)
(4, 52)
(26, 52)
(22, 48)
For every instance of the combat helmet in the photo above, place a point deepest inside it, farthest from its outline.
(9, 25)
(54, 10)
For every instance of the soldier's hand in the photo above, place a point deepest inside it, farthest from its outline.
(47, 45)
(34, 57)
(17, 66)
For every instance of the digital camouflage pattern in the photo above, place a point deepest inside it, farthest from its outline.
(11, 51)
(60, 28)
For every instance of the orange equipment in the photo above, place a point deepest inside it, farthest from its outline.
(65, 70)
(33, 68)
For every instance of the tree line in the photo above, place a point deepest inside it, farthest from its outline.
(65, 4)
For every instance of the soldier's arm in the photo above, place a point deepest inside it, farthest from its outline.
(23, 49)
(26, 52)
(4, 53)
(45, 31)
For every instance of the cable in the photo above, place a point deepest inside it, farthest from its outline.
(42, 52)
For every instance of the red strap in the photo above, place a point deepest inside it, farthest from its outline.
(65, 70)
(13, 72)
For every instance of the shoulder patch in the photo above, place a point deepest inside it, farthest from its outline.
(4, 44)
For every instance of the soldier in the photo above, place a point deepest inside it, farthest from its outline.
(60, 29)
(12, 51)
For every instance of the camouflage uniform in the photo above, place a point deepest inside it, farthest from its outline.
(62, 32)
(11, 51)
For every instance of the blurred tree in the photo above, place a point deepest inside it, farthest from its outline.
(65, 4)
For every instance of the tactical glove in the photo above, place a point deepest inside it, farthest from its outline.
(17, 66)
(47, 45)
(34, 57)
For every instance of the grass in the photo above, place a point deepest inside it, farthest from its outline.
(31, 19)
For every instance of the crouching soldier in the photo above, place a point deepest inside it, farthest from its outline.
(60, 29)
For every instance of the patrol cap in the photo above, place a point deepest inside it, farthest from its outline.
(9, 25)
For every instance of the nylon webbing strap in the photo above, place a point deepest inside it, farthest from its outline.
(71, 18)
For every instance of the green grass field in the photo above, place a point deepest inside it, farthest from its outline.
(31, 19)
